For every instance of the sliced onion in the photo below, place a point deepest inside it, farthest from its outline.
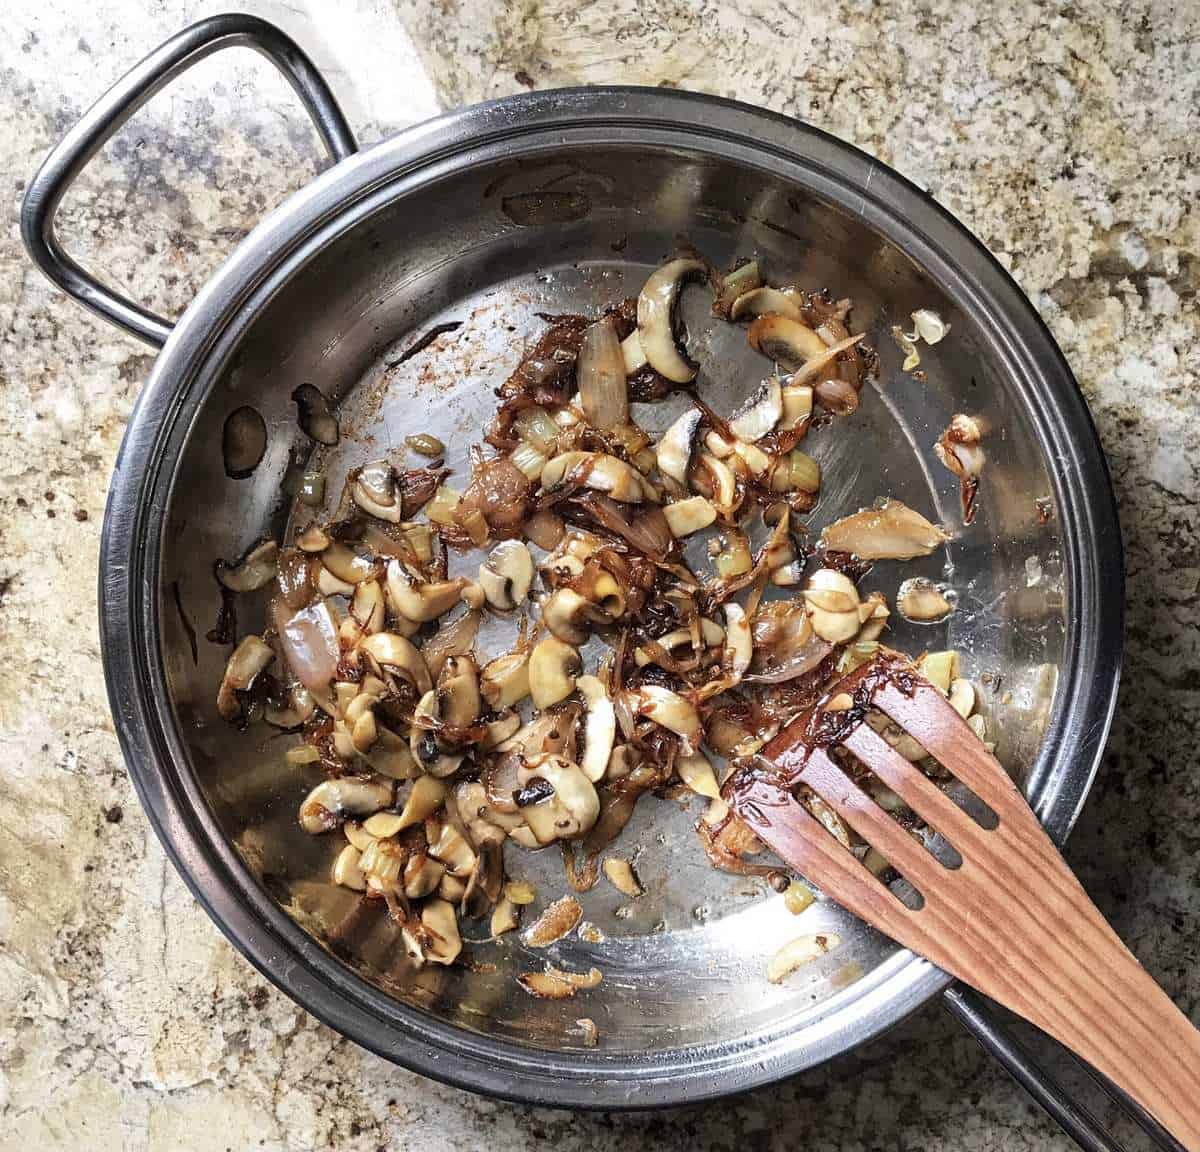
(601, 376)
(644, 526)
(454, 639)
(761, 414)
(545, 529)
(310, 645)
(785, 645)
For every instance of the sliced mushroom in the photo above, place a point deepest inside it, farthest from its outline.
(249, 658)
(601, 473)
(554, 923)
(254, 570)
(566, 808)
(795, 346)
(505, 680)
(891, 531)
(767, 301)
(922, 601)
(567, 615)
(697, 773)
(669, 710)
(357, 835)
(458, 692)
(451, 889)
(940, 668)
(716, 481)
(346, 870)
(395, 654)
(332, 801)
(622, 877)
(832, 602)
(506, 575)
(450, 846)
(425, 797)
(243, 442)
(299, 706)
(600, 728)
(797, 405)
(368, 607)
(422, 875)
(346, 565)
(454, 638)
(420, 601)
(390, 756)
(674, 451)
(553, 667)
(691, 515)
(374, 490)
(760, 414)
(786, 340)
(796, 953)
(656, 322)
(497, 731)
(423, 742)
(483, 888)
(962, 696)
(442, 941)
(312, 539)
(316, 420)
(739, 644)
(506, 917)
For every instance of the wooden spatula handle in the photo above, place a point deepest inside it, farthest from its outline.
(1158, 1062)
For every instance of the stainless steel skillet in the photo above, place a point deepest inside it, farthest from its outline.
(481, 219)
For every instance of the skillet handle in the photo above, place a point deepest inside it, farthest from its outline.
(979, 1017)
(121, 101)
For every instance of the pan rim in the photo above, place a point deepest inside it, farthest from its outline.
(226, 305)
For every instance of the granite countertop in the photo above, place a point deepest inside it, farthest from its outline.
(1063, 134)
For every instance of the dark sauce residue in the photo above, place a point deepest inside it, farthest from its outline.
(224, 631)
(184, 621)
(422, 342)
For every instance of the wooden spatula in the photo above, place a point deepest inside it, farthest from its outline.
(1012, 920)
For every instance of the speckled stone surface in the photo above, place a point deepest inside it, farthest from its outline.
(1063, 134)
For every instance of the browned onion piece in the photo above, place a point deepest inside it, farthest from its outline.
(416, 487)
(500, 491)
(785, 646)
(453, 639)
(295, 577)
(545, 529)
(310, 644)
(644, 526)
(836, 396)
(601, 377)
(725, 844)
(500, 781)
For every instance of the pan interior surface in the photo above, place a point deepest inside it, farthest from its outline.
(482, 251)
